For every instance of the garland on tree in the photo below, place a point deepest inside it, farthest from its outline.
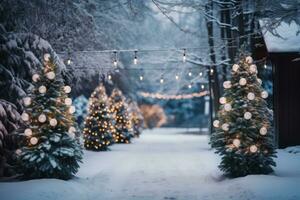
(123, 125)
(51, 149)
(99, 130)
(243, 131)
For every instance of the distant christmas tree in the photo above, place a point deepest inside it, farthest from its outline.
(243, 132)
(136, 117)
(98, 130)
(123, 125)
(51, 149)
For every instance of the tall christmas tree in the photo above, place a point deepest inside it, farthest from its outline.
(123, 126)
(98, 130)
(243, 131)
(136, 117)
(51, 149)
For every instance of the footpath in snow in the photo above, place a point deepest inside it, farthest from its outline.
(164, 164)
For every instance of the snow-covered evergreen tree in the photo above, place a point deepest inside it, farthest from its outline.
(123, 125)
(51, 149)
(136, 117)
(99, 130)
(243, 131)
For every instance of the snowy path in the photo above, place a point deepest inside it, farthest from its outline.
(161, 165)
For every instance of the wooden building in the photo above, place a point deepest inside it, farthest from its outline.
(282, 50)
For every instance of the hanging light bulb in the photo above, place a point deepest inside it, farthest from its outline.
(162, 80)
(109, 77)
(115, 62)
(211, 71)
(200, 74)
(69, 61)
(135, 60)
(190, 73)
(202, 86)
(265, 66)
(176, 77)
(190, 86)
(141, 77)
(184, 55)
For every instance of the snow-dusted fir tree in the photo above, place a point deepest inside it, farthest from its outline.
(51, 149)
(119, 108)
(243, 132)
(99, 129)
(136, 117)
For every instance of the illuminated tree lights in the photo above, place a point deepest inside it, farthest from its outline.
(243, 131)
(123, 124)
(98, 126)
(50, 149)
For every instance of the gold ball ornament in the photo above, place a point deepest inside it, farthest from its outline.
(25, 117)
(236, 143)
(42, 118)
(249, 60)
(53, 122)
(263, 130)
(68, 101)
(264, 94)
(222, 100)
(42, 89)
(247, 115)
(227, 84)
(33, 140)
(27, 101)
(28, 132)
(243, 81)
(67, 89)
(253, 68)
(35, 77)
(225, 127)
(50, 75)
(235, 67)
(251, 96)
(253, 148)
(227, 107)
(216, 123)
(47, 57)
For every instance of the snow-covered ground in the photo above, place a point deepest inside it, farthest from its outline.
(164, 164)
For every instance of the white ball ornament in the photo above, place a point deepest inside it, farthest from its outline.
(251, 96)
(236, 143)
(42, 118)
(235, 67)
(18, 152)
(249, 60)
(247, 115)
(71, 132)
(53, 122)
(72, 109)
(27, 101)
(227, 107)
(253, 68)
(222, 100)
(28, 132)
(253, 148)
(35, 77)
(68, 101)
(243, 81)
(47, 57)
(264, 94)
(216, 123)
(263, 130)
(259, 81)
(25, 117)
(33, 140)
(225, 127)
(50, 75)
(227, 84)
(42, 89)
(67, 89)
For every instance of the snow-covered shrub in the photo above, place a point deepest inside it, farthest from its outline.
(154, 115)
(10, 120)
(81, 105)
(20, 57)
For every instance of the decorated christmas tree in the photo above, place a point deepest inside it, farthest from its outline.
(136, 117)
(243, 132)
(119, 108)
(99, 129)
(51, 149)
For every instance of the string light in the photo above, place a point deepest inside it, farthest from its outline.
(162, 80)
(190, 73)
(265, 66)
(202, 86)
(200, 74)
(174, 97)
(184, 55)
(135, 60)
(141, 77)
(69, 61)
(211, 71)
(190, 86)
(109, 77)
(115, 63)
(176, 77)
